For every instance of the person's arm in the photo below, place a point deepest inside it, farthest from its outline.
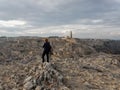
(44, 45)
(51, 50)
(50, 46)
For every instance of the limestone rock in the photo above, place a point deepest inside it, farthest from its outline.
(38, 88)
(47, 78)
(74, 62)
(28, 86)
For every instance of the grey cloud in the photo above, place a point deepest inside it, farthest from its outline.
(46, 13)
(63, 13)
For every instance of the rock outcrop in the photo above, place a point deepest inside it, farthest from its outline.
(76, 64)
(46, 78)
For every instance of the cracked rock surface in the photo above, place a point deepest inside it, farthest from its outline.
(76, 64)
(47, 78)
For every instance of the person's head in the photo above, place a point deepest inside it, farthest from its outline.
(46, 40)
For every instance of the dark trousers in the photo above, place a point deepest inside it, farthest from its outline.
(43, 55)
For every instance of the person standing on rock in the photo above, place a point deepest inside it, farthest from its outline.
(46, 51)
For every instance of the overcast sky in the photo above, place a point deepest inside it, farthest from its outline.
(86, 18)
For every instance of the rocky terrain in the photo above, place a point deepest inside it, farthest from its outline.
(76, 64)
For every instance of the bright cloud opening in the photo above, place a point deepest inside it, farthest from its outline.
(12, 23)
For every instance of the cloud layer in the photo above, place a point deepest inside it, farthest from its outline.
(86, 18)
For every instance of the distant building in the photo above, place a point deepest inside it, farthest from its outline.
(71, 34)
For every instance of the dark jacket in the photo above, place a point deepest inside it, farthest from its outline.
(47, 47)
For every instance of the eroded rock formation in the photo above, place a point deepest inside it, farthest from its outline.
(76, 64)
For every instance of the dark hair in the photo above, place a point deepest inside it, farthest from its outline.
(46, 40)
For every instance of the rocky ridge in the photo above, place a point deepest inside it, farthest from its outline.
(76, 65)
(46, 78)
